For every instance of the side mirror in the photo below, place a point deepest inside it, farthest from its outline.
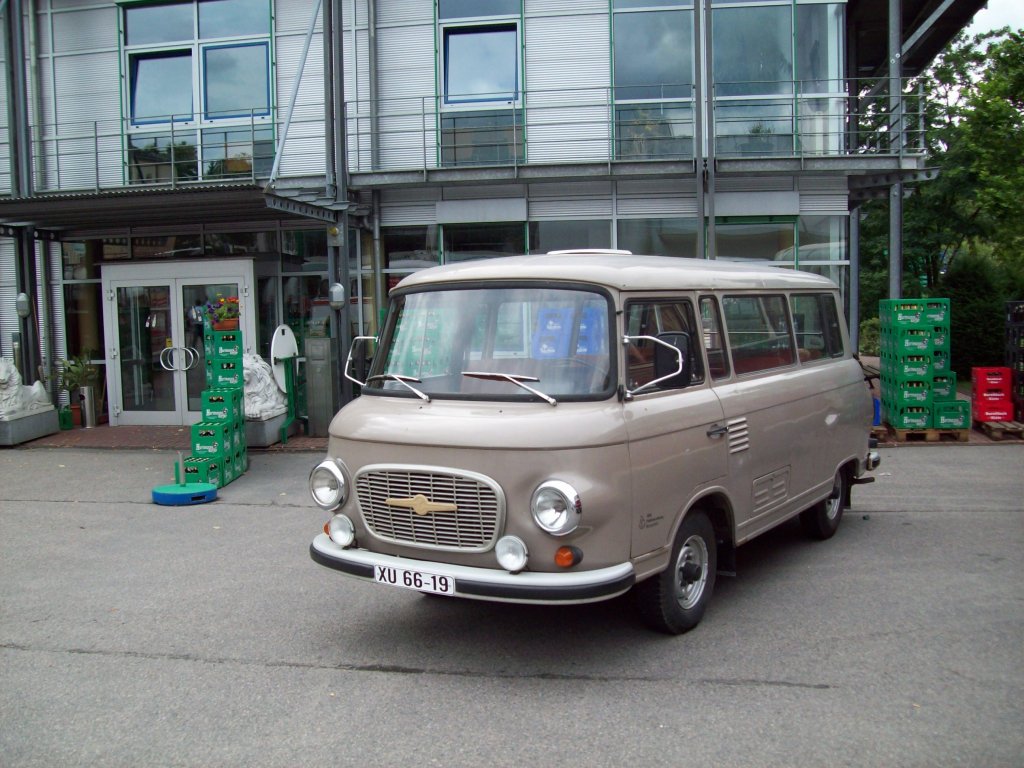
(673, 360)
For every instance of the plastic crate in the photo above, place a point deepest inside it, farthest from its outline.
(954, 415)
(223, 344)
(907, 366)
(941, 338)
(910, 417)
(940, 361)
(1001, 411)
(212, 440)
(224, 373)
(1015, 313)
(907, 341)
(903, 392)
(201, 469)
(943, 387)
(936, 311)
(901, 313)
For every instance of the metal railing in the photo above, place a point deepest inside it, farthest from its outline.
(555, 127)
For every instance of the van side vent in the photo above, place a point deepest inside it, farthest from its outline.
(739, 435)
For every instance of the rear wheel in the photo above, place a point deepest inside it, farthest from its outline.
(674, 601)
(822, 520)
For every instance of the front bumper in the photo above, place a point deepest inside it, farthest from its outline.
(486, 583)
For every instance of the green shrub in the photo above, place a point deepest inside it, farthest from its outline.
(870, 341)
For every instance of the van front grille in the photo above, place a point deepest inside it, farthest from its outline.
(431, 507)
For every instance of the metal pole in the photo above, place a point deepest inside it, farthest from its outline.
(712, 246)
(854, 313)
(895, 147)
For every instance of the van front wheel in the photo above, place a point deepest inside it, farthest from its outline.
(674, 600)
(822, 520)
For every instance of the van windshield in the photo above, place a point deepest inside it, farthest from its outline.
(487, 343)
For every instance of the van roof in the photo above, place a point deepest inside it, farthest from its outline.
(621, 270)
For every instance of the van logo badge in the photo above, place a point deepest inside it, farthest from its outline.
(421, 505)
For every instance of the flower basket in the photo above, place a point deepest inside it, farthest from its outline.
(222, 314)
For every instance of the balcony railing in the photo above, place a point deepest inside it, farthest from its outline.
(790, 120)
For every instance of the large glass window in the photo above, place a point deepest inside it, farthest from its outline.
(569, 235)
(816, 321)
(659, 237)
(481, 122)
(465, 242)
(777, 78)
(649, 319)
(653, 79)
(755, 241)
(192, 66)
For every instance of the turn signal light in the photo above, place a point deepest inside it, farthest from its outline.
(327, 527)
(567, 557)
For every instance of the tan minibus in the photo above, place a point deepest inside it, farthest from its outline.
(563, 428)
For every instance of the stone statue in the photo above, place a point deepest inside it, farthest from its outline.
(17, 399)
(263, 398)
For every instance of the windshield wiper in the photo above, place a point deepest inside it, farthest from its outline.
(512, 377)
(404, 381)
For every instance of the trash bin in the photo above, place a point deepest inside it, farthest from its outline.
(87, 397)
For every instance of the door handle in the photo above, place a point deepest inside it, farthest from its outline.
(164, 363)
(193, 357)
(717, 431)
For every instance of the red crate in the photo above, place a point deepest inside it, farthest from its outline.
(1002, 411)
(990, 377)
(991, 395)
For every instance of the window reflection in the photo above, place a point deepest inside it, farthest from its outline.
(565, 235)
(480, 64)
(659, 237)
(653, 55)
(236, 81)
(146, 24)
(162, 157)
(752, 49)
(761, 241)
(465, 242)
(224, 18)
(161, 86)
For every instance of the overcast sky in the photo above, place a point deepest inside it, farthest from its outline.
(1000, 13)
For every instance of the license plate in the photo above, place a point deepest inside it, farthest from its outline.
(422, 581)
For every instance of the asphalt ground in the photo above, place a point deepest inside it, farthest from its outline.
(138, 635)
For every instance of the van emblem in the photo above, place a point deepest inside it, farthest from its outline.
(421, 505)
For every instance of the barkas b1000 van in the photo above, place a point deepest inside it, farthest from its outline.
(563, 428)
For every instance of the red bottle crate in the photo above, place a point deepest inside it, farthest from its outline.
(1001, 411)
(990, 378)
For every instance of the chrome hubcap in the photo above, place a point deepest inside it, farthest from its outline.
(691, 572)
(834, 503)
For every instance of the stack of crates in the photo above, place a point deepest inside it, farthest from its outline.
(219, 450)
(1015, 355)
(991, 395)
(918, 387)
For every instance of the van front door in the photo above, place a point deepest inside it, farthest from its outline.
(156, 369)
(674, 452)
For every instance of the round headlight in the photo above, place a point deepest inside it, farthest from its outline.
(511, 552)
(327, 485)
(341, 531)
(556, 507)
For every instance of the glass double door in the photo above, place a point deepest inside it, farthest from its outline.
(153, 319)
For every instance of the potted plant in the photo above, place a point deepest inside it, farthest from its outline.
(75, 373)
(222, 313)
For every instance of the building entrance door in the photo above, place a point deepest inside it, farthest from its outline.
(152, 317)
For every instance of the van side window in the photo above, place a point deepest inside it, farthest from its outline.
(649, 318)
(816, 322)
(714, 341)
(759, 334)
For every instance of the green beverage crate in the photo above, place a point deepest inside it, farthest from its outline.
(943, 387)
(224, 373)
(940, 361)
(902, 313)
(904, 392)
(200, 469)
(212, 439)
(952, 415)
(910, 417)
(906, 366)
(907, 341)
(216, 406)
(936, 311)
(223, 344)
(941, 338)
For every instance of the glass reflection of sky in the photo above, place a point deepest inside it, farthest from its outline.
(230, 18)
(653, 51)
(481, 65)
(161, 86)
(236, 80)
